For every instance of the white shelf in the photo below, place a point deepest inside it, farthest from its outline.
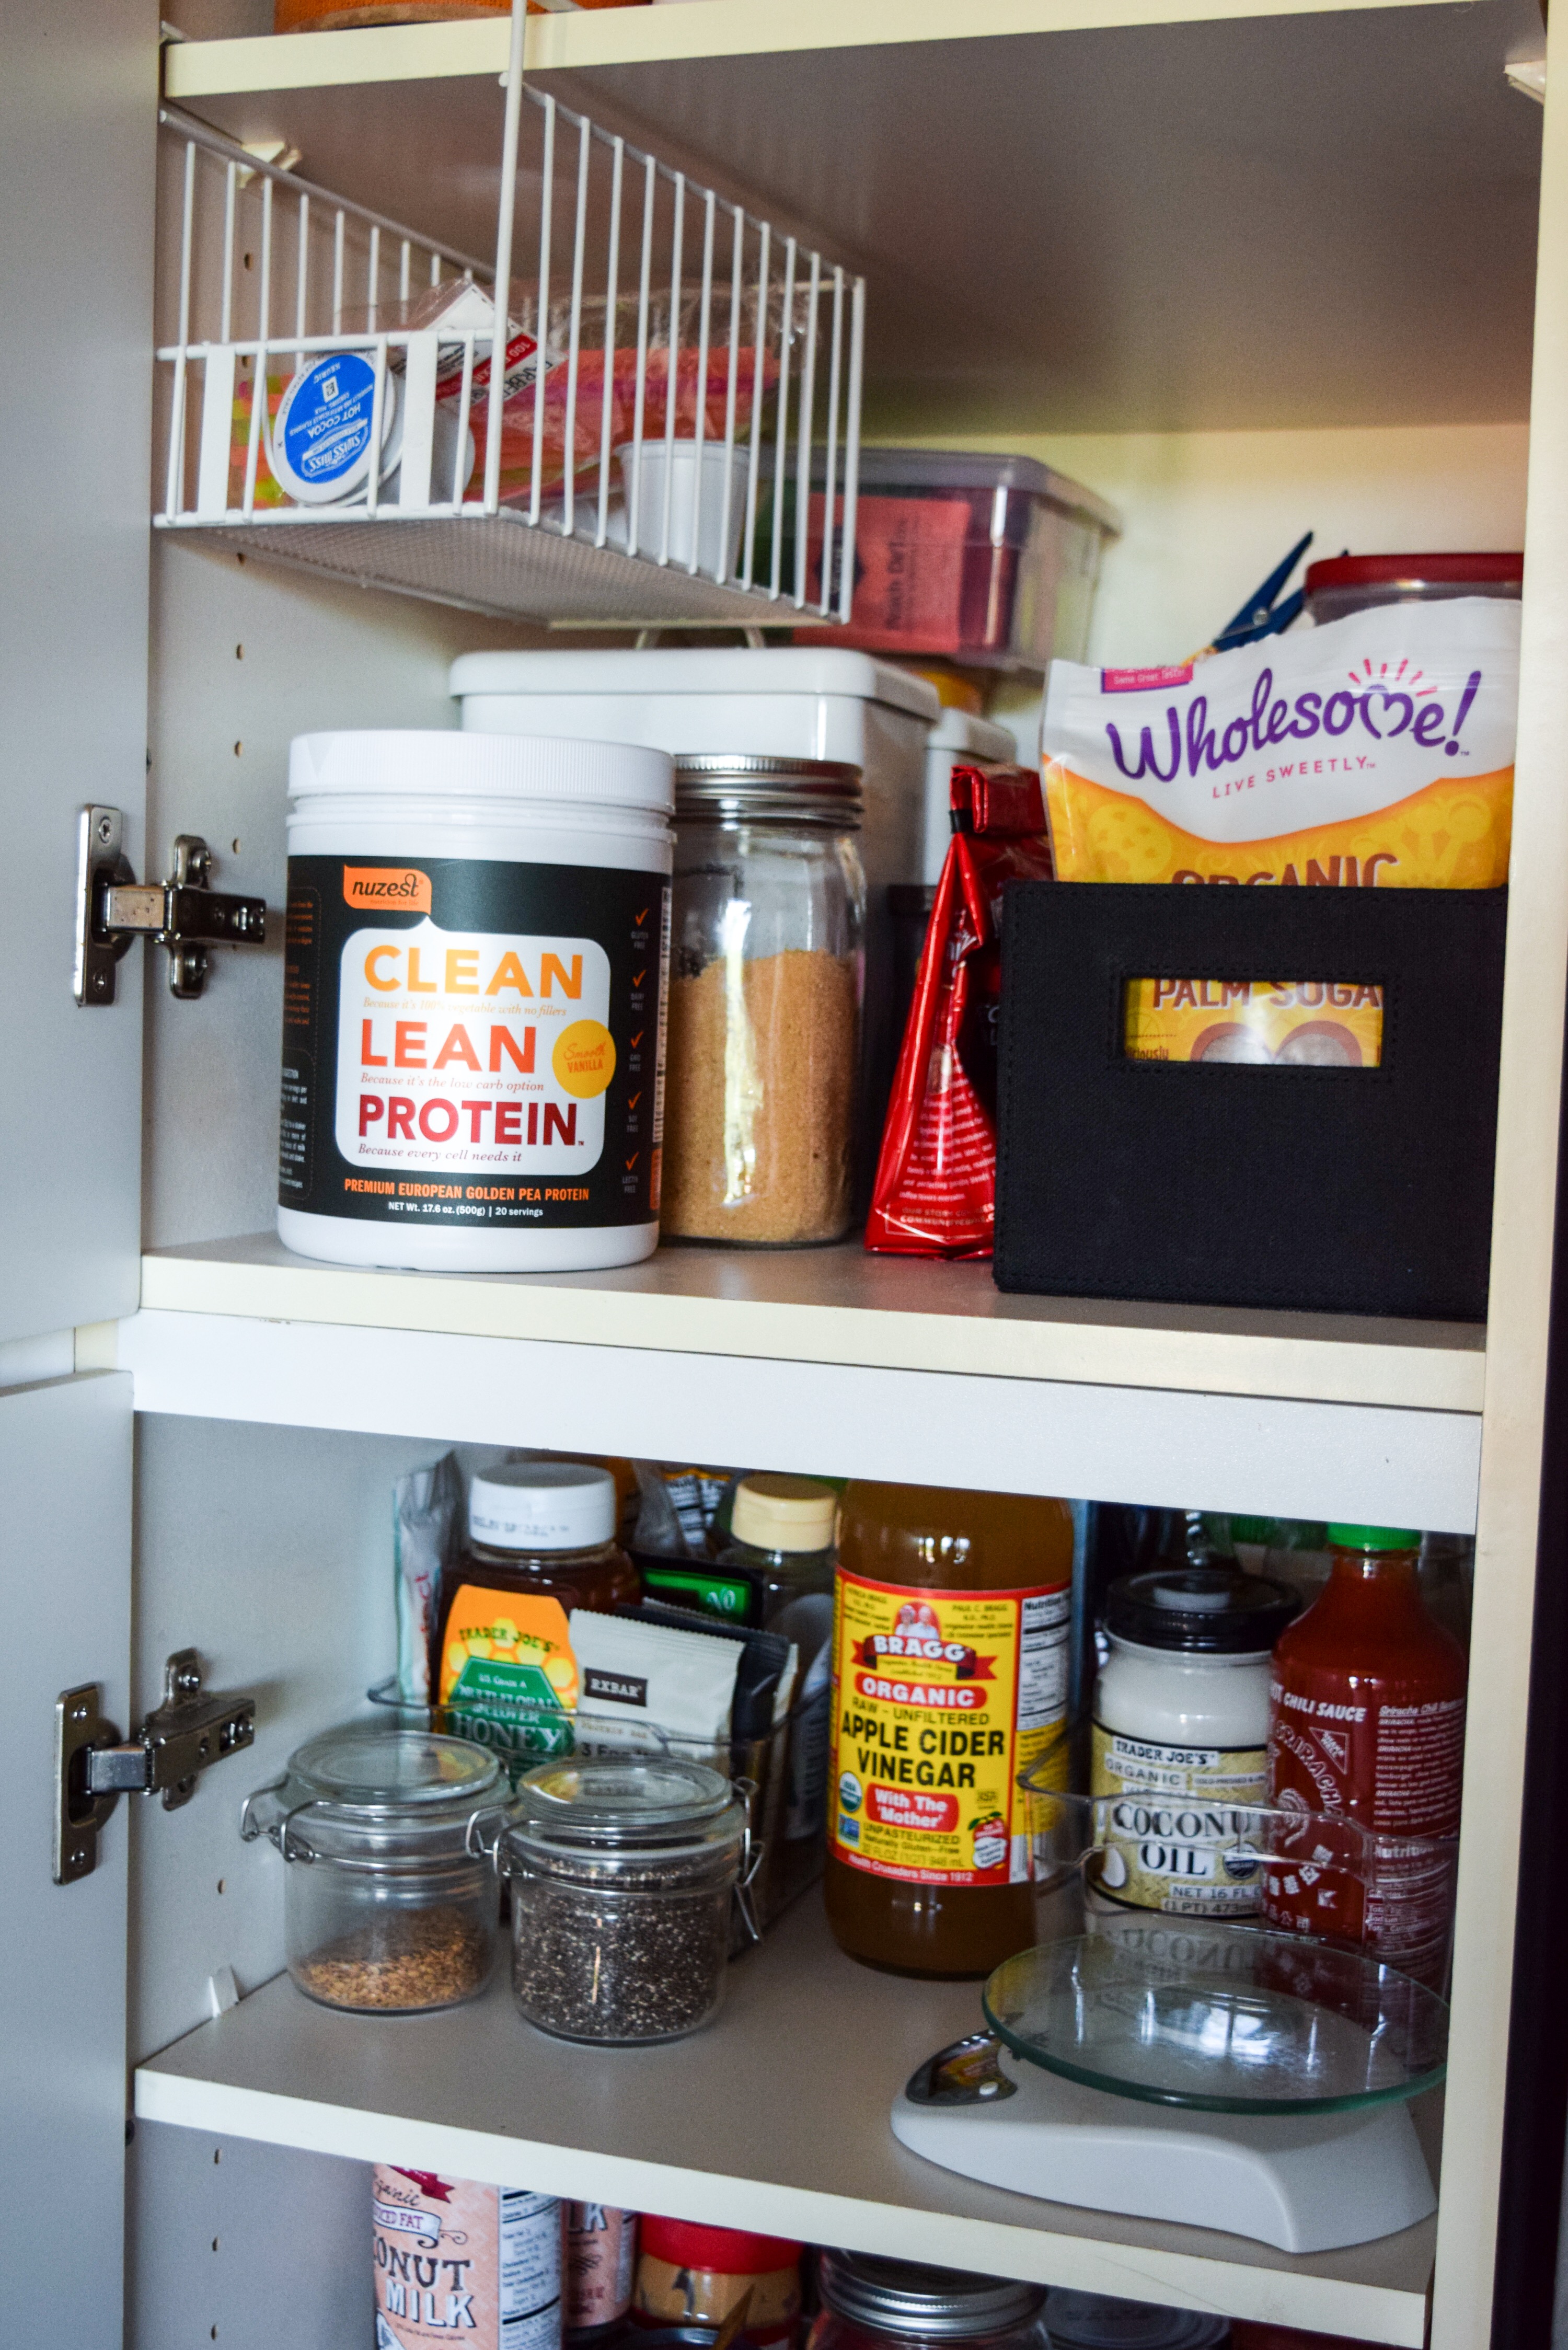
(632, 36)
(774, 2119)
(1035, 160)
(830, 1358)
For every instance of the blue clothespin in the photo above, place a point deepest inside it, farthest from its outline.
(1260, 615)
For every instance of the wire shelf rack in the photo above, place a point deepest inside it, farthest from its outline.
(676, 410)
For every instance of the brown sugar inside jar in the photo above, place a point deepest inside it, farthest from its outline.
(764, 1001)
(950, 1676)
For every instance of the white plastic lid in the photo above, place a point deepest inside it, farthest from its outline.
(788, 1513)
(543, 1505)
(958, 729)
(445, 764)
(727, 668)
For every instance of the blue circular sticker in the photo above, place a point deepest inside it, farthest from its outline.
(322, 440)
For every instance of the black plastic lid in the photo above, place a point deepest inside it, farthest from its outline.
(1203, 1611)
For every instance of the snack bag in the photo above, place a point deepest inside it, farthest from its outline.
(1376, 752)
(936, 1177)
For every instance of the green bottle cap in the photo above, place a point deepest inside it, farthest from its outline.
(1374, 1538)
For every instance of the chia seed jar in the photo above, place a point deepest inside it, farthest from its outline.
(622, 1874)
(390, 1899)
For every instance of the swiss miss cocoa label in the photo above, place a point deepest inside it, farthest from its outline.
(940, 1698)
(474, 1042)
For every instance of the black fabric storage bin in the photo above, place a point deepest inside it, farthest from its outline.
(1361, 1191)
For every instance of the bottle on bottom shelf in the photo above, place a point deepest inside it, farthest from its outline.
(455, 2256)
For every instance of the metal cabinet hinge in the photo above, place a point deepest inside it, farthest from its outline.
(113, 908)
(93, 1767)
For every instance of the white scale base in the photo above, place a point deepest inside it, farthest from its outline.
(1308, 2185)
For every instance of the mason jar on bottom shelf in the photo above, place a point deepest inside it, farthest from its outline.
(622, 1875)
(391, 1900)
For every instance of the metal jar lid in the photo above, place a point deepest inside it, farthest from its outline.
(728, 786)
(934, 2304)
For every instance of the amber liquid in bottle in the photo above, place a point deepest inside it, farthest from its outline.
(921, 1539)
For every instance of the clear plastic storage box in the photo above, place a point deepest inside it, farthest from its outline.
(989, 560)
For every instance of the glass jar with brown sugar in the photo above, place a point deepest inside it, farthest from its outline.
(764, 1001)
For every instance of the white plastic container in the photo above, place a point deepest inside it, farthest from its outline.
(959, 740)
(718, 535)
(811, 701)
(474, 1001)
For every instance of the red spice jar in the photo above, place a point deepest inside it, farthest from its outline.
(1367, 1722)
(689, 2275)
(869, 2304)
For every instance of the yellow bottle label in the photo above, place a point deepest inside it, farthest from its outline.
(940, 1698)
(506, 1648)
(1178, 1832)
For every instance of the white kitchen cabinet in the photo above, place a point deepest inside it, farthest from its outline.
(1153, 229)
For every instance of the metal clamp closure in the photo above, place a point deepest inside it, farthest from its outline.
(181, 914)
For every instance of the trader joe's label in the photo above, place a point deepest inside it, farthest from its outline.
(1175, 1827)
(940, 1698)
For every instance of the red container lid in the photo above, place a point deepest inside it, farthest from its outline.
(727, 2251)
(1362, 571)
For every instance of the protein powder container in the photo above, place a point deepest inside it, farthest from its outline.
(476, 965)
(1180, 1739)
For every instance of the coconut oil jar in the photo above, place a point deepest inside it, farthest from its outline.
(1181, 1741)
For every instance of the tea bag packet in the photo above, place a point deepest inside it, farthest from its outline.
(425, 1510)
(680, 1681)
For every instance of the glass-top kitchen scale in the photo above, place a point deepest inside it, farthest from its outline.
(1222, 2075)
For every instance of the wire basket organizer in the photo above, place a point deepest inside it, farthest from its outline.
(671, 375)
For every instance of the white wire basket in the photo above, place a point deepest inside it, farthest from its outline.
(673, 370)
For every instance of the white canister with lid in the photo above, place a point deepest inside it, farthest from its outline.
(1180, 1739)
(475, 997)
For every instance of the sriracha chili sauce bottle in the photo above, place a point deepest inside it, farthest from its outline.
(1366, 1722)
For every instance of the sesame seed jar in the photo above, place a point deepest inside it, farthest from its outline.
(390, 1898)
(622, 1873)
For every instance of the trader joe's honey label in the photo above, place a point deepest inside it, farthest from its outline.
(940, 1698)
(1287, 1023)
(1176, 1829)
(506, 1649)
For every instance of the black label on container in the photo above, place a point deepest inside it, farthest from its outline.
(473, 1043)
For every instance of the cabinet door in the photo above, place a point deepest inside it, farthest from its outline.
(78, 127)
(65, 1602)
